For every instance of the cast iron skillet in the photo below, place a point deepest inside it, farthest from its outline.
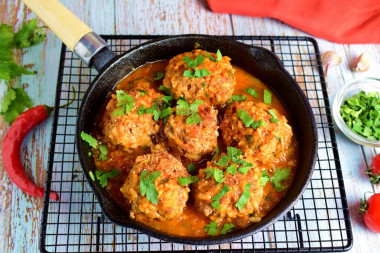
(258, 61)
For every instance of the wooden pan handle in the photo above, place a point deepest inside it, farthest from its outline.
(58, 18)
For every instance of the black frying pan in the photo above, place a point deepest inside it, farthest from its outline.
(258, 61)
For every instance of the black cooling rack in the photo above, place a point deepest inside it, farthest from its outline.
(318, 222)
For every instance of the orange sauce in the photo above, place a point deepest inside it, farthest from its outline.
(191, 223)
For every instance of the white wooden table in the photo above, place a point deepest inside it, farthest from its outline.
(20, 214)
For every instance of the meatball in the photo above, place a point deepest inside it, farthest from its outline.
(206, 190)
(267, 142)
(172, 197)
(130, 130)
(216, 88)
(193, 140)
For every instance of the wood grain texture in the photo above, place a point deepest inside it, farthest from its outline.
(20, 214)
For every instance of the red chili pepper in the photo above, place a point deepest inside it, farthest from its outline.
(11, 149)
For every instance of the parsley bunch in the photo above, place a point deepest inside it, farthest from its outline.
(184, 108)
(16, 99)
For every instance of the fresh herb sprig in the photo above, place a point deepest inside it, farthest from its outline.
(147, 187)
(280, 175)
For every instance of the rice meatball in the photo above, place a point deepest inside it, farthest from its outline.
(193, 140)
(130, 130)
(172, 197)
(207, 188)
(216, 88)
(266, 143)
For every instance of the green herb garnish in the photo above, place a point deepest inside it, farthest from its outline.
(267, 97)
(147, 186)
(184, 108)
(248, 121)
(232, 169)
(91, 175)
(223, 160)
(142, 92)
(124, 103)
(218, 56)
(264, 178)
(252, 92)
(226, 228)
(237, 98)
(244, 170)
(167, 91)
(212, 228)
(103, 152)
(197, 73)
(217, 173)
(244, 197)
(361, 113)
(102, 176)
(158, 76)
(280, 175)
(89, 139)
(193, 63)
(141, 110)
(274, 118)
(187, 180)
(219, 196)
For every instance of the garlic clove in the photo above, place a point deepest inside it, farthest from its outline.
(363, 62)
(329, 59)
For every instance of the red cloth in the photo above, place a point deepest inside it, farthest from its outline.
(342, 21)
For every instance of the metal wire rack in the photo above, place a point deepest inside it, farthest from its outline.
(318, 222)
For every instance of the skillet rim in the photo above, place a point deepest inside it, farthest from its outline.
(211, 240)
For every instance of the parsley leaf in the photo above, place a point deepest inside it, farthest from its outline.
(226, 228)
(124, 103)
(147, 186)
(244, 170)
(159, 76)
(103, 176)
(232, 169)
(232, 151)
(89, 139)
(218, 55)
(279, 176)
(91, 175)
(267, 97)
(219, 196)
(14, 103)
(184, 108)
(223, 160)
(194, 119)
(274, 118)
(197, 73)
(264, 178)
(167, 99)
(187, 180)
(191, 167)
(244, 197)
(193, 63)
(252, 92)
(166, 112)
(142, 92)
(217, 173)
(238, 98)
(141, 110)
(165, 89)
(248, 121)
(212, 228)
(103, 152)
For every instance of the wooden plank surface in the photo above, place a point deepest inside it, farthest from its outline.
(20, 214)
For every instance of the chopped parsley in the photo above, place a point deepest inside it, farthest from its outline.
(159, 76)
(142, 92)
(212, 228)
(248, 121)
(219, 196)
(252, 92)
(89, 139)
(166, 112)
(124, 103)
(264, 178)
(102, 176)
(191, 167)
(141, 110)
(223, 160)
(217, 173)
(232, 169)
(279, 176)
(226, 228)
(165, 89)
(103, 152)
(244, 197)
(244, 170)
(218, 56)
(267, 97)
(187, 180)
(193, 63)
(147, 186)
(237, 98)
(184, 108)
(197, 73)
(274, 118)
(167, 99)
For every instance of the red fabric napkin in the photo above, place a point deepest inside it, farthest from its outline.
(342, 21)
